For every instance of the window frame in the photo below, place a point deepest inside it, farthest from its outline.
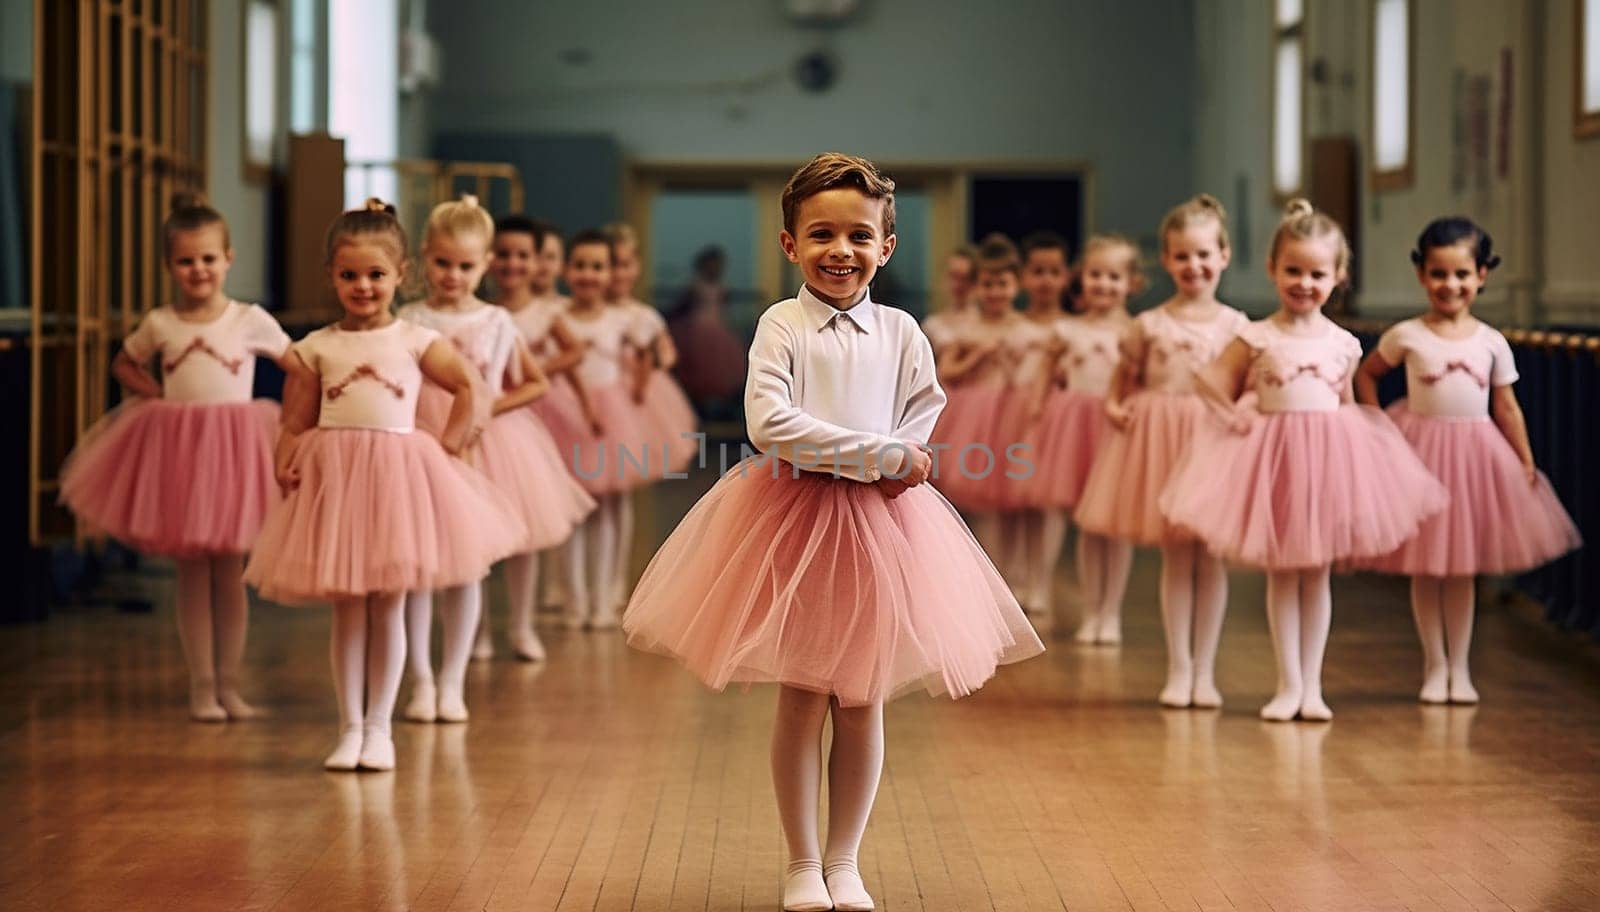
(1404, 175)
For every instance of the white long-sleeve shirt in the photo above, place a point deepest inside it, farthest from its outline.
(845, 392)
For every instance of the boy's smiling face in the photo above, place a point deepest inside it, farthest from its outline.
(839, 243)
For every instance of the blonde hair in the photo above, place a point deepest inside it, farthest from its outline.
(1302, 222)
(1109, 241)
(1197, 208)
(374, 220)
(832, 170)
(459, 218)
(996, 253)
(621, 234)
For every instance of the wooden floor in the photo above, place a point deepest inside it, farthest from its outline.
(610, 780)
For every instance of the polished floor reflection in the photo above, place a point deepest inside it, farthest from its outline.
(609, 780)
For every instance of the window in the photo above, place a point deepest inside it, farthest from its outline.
(363, 103)
(1391, 94)
(1586, 66)
(260, 87)
(1288, 91)
(308, 105)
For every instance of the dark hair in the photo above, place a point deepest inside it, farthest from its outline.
(374, 219)
(1452, 230)
(190, 212)
(996, 253)
(592, 236)
(1044, 240)
(522, 224)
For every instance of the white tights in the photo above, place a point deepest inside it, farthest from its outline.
(854, 766)
(1299, 613)
(592, 556)
(1103, 566)
(213, 618)
(1443, 608)
(459, 612)
(368, 652)
(1194, 598)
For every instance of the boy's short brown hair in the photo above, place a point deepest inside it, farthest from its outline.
(831, 170)
(996, 253)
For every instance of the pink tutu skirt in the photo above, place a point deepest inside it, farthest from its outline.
(1497, 523)
(378, 511)
(711, 359)
(520, 458)
(624, 455)
(827, 584)
(181, 479)
(1120, 497)
(672, 422)
(1302, 489)
(1071, 430)
(974, 440)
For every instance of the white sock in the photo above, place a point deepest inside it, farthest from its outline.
(522, 587)
(796, 757)
(1283, 619)
(230, 616)
(1426, 594)
(194, 632)
(1210, 606)
(1458, 606)
(460, 608)
(855, 765)
(424, 703)
(347, 652)
(386, 658)
(1316, 618)
(1177, 618)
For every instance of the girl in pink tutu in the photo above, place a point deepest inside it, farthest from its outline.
(1306, 478)
(1462, 418)
(371, 509)
(608, 440)
(1153, 409)
(515, 452)
(185, 468)
(960, 277)
(1038, 526)
(1072, 426)
(978, 441)
(826, 565)
(651, 355)
(524, 281)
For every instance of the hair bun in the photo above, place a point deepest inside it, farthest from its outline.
(374, 204)
(188, 199)
(470, 200)
(1207, 201)
(1299, 207)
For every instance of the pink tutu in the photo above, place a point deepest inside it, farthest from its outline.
(711, 359)
(624, 455)
(520, 458)
(1497, 523)
(973, 438)
(828, 585)
(378, 511)
(1302, 489)
(1121, 493)
(1071, 430)
(182, 479)
(672, 422)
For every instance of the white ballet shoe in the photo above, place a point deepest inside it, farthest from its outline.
(804, 889)
(1314, 709)
(1462, 691)
(1088, 633)
(203, 705)
(377, 751)
(1435, 685)
(1281, 708)
(1206, 695)
(605, 619)
(1179, 692)
(848, 892)
(1110, 631)
(482, 649)
(452, 705)
(424, 704)
(528, 647)
(238, 710)
(347, 753)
